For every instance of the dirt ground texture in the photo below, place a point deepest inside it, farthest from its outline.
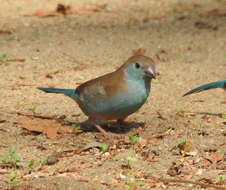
(182, 140)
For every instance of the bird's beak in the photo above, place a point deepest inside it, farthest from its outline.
(150, 72)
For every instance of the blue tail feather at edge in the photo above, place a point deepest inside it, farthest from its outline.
(67, 92)
(218, 84)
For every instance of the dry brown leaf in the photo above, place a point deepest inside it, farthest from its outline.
(43, 13)
(213, 13)
(216, 157)
(153, 139)
(151, 181)
(80, 67)
(49, 76)
(60, 10)
(49, 127)
(64, 10)
(187, 146)
(5, 32)
(175, 169)
(150, 156)
(143, 141)
(139, 51)
(204, 25)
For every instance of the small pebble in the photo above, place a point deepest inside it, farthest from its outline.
(51, 160)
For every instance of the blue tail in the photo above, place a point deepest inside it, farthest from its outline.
(218, 84)
(68, 92)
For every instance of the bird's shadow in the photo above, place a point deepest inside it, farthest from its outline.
(113, 127)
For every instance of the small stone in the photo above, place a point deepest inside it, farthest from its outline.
(51, 160)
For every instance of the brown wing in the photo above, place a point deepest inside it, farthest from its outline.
(106, 85)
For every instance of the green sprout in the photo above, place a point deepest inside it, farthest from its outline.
(129, 160)
(221, 178)
(104, 147)
(75, 127)
(182, 140)
(10, 157)
(4, 58)
(13, 178)
(134, 139)
(33, 108)
(134, 185)
(181, 112)
(43, 160)
(223, 115)
(31, 164)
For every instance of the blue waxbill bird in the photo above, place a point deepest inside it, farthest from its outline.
(115, 95)
(218, 84)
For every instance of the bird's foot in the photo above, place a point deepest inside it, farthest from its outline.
(108, 134)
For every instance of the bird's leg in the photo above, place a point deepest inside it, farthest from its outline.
(90, 122)
(105, 133)
(108, 135)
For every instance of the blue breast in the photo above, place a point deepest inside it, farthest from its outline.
(121, 104)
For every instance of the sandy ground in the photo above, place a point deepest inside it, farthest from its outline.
(187, 40)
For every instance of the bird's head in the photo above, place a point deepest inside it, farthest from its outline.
(139, 67)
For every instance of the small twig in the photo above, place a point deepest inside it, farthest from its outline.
(2, 120)
(16, 60)
(5, 165)
(160, 116)
(65, 152)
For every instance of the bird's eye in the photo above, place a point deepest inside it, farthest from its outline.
(137, 65)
